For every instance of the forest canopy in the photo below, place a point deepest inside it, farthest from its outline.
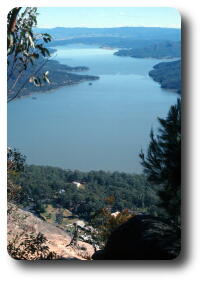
(51, 185)
(168, 74)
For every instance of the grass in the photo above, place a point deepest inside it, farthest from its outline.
(49, 215)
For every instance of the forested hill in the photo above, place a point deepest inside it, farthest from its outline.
(159, 50)
(59, 75)
(44, 185)
(168, 74)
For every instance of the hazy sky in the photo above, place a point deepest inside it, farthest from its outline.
(108, 17)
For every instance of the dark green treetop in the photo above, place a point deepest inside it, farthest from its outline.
(162, 163)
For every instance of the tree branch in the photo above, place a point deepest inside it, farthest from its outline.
(27, 79)
(12, 22)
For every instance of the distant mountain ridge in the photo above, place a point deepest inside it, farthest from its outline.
(139, 42)
(138, 33)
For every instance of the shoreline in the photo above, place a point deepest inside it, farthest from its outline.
(51, 90)
(36, 92)
(157, 58)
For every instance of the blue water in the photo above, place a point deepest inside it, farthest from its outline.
(99, 127)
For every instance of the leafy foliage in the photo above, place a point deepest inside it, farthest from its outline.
(108, 222)
(30, 247)
(23, 48)
(15, 161)
(14, 192)
(15, 165)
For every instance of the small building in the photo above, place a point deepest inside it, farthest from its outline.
(115, 214)
(80, 223)
(77, 184)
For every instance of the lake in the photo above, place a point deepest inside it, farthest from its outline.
(102, 126)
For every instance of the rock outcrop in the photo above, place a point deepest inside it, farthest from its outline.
(21, 222)
(142, 238)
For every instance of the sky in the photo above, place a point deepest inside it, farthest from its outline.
(99, 17)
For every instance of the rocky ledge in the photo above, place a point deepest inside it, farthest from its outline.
(21, 222)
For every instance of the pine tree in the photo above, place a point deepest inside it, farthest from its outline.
(162, 164)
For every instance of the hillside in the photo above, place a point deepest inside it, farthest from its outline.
(168, 74)
(159, 50)
(130, 191)
(59, 75)
(21, 222)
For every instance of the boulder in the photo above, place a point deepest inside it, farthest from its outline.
(142, 237)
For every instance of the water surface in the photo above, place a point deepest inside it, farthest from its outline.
(102, 126)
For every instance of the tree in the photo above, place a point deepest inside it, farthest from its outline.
(15, 165)
(24, 47)
(15, 161)
(162, 164)
(106, 222)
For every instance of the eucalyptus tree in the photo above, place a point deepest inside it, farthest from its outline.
(26, 54)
